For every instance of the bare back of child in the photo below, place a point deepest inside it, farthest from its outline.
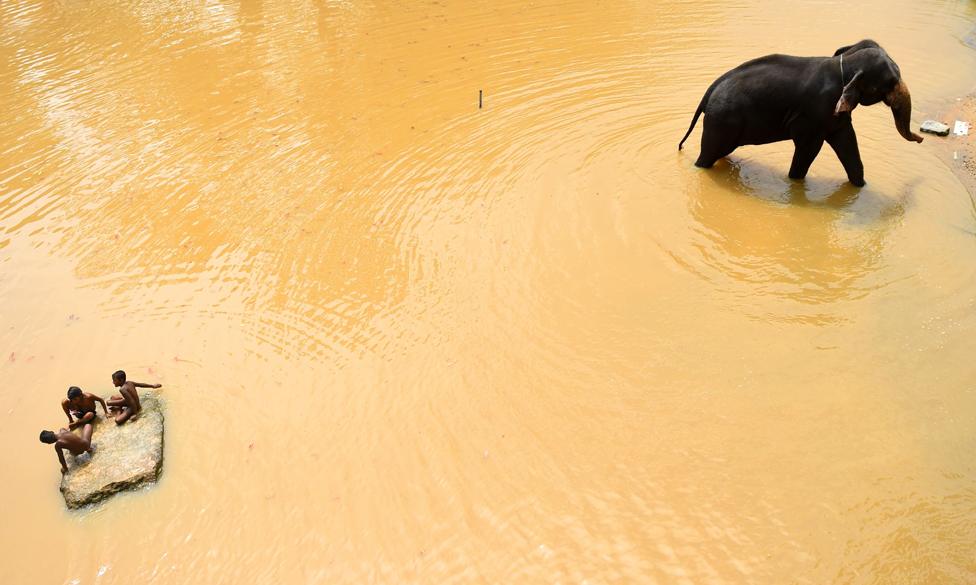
(65, 439)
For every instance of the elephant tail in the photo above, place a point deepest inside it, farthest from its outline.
(698, 112)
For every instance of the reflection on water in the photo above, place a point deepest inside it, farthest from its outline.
(405, 339)
(813, 242)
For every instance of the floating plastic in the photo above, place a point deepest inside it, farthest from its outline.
(933, 127)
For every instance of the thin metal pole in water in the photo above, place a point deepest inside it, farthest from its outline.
(479, 99)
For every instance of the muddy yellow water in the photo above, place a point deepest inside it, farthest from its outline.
(407, 340)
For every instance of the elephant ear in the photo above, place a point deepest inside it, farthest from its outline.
(849, 97)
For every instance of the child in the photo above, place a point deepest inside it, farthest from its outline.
(65, 439)
(128, 400)
(82, 406)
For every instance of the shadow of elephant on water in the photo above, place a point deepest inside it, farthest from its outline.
(813, 242)
(763, 181)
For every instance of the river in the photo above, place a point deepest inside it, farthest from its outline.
(405, 339)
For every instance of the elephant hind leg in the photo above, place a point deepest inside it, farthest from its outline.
(718, 141)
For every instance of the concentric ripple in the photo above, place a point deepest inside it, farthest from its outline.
(407, 339)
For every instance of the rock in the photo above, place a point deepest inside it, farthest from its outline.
(123, 457)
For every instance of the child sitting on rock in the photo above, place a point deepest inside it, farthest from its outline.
(82, 406)
(128, 399)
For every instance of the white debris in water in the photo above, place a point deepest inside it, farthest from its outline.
(933, 127)
(102, 570)
(961, 128)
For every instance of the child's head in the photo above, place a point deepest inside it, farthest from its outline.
(74, 393)
(48, 437)
(118, 378)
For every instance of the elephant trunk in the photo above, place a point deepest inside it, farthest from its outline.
(900, 102)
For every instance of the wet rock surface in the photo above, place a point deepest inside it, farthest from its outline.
(124, 457)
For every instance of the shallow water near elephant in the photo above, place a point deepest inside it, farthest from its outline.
(406, 340)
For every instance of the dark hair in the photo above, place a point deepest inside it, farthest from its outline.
(74, 392)
(48, 437)
(119, 374)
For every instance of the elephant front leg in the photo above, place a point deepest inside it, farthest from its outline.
(844, 143)
(806, 151)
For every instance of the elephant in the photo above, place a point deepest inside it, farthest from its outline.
(808, 100)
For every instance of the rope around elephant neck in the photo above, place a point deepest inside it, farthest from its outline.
(842, 69)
